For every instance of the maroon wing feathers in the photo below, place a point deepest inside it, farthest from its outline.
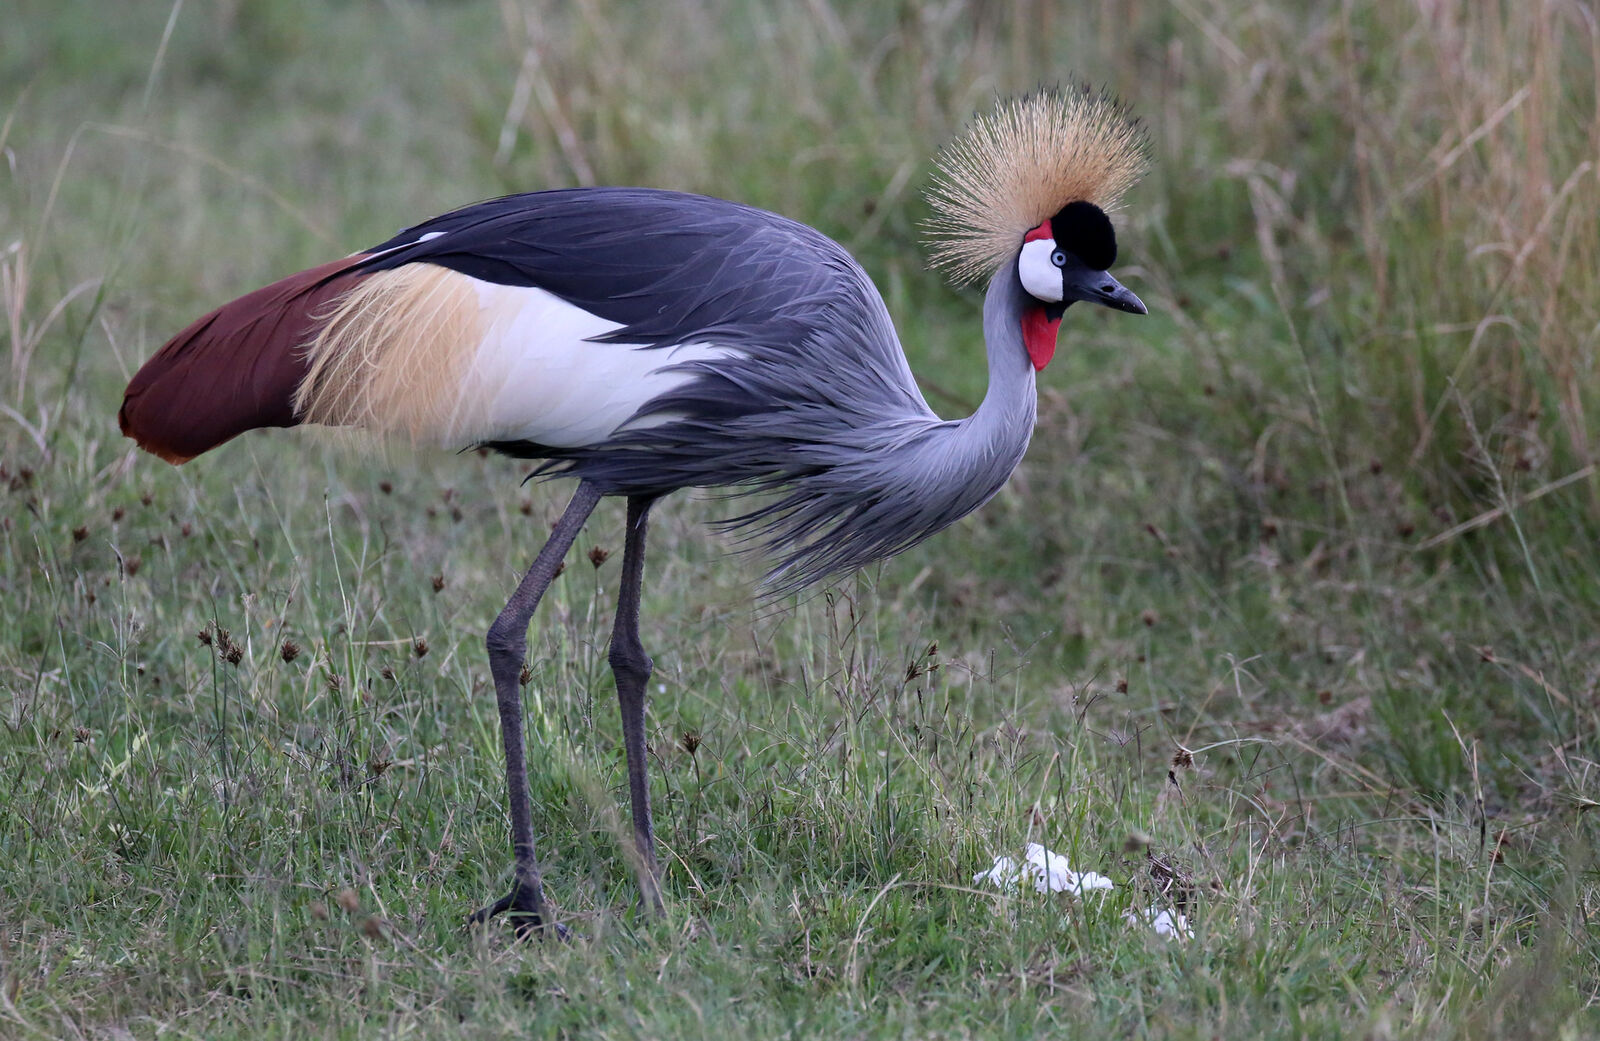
(234, 370)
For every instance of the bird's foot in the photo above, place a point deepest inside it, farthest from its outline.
(649, 902)
(532, 920)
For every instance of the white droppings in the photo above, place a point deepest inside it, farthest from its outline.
(1049, 873)
(1047, 870)
(1167, 924)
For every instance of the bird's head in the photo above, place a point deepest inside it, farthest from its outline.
(1028, 186)
(1063, 259)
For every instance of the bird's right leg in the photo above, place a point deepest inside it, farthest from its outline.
(508, 642)
(631, 666)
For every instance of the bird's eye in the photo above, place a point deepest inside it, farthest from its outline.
(1059, 258)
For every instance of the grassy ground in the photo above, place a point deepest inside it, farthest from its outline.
(1288, 620)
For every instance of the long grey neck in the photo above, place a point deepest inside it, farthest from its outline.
(960, 465)
(1005, 419)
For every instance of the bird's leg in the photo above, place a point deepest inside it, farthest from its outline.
(508, 642)
(631, 666)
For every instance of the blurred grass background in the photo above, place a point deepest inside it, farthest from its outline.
(1288, 620)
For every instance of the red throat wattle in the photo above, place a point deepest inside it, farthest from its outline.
(1039, 335)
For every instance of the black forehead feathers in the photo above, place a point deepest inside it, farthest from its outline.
(1082, 228)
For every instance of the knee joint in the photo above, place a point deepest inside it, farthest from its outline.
(504, 639)
(631, 664)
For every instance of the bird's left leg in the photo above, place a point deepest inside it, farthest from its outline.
(507, 642)
(632, 667)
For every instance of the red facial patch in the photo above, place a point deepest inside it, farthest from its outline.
(1041, 232)
(1039, 336)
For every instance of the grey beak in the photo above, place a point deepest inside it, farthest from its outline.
(1098, 287)
(1113, 294)
(1119, 297)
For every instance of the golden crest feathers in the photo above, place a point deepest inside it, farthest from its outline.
(1022, 163)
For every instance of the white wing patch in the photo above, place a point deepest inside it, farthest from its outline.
(429, 354)
(539, 376)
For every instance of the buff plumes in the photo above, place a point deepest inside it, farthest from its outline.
(1019, 165)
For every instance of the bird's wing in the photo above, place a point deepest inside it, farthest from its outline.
(668, 268)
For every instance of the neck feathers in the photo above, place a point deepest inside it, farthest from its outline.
(916, 477)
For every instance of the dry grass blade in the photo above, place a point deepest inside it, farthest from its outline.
(1488, 517)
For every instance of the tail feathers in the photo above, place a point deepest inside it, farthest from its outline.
(234, 370)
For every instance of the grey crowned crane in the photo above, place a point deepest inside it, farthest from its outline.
(645, 341)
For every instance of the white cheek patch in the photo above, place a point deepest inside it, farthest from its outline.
(1040, 278)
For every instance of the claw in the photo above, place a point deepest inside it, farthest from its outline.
(530, 923)
(483, 914)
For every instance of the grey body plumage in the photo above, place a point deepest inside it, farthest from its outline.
(819, 408)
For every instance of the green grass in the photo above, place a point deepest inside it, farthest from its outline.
(1288, 619)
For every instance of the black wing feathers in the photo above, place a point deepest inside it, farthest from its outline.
(668, 267)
